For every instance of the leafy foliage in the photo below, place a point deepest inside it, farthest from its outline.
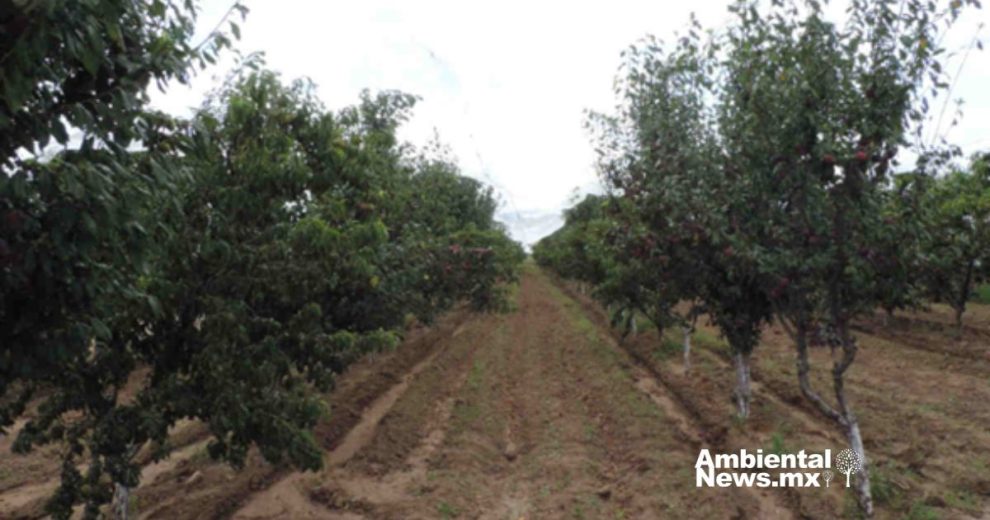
(956, 252)
(753, 168)
(227, 266)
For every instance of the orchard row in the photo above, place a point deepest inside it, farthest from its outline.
(752, 176)
(234, 261)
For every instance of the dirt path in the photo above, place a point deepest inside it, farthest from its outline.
(531, 414)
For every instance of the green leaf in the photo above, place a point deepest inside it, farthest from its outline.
(58, 131)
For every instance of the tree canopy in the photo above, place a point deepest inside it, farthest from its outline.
(753, 167)
(227, 266)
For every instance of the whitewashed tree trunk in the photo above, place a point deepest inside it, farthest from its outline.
(863, 492)
(687, 349)
(863, 480)
(851, 425)
(842, 414)
(743, 392)
(121, 501)
(119, 507)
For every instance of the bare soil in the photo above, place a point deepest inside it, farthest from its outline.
(542, 413)
(920, 392)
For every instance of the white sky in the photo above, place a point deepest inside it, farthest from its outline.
(505, 83)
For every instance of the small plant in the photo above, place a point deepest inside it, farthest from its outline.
(667, 349)
(446, 510)
(962, 500)
(777, 445)
(881, 486)
(920, 511)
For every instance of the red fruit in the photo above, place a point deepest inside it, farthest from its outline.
(861, 156)
(828, 159)
(728, 251)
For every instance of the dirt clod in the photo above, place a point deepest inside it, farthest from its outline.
(511, 451)
(194, 478)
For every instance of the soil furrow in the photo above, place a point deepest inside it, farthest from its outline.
(772, 504)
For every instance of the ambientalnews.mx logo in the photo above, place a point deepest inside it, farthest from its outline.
(747, 469)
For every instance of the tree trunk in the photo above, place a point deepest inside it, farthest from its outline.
(121, 501)
(849, 422)
(119, 507)
(862, 484)
(960, 305)
(743, 392)
(843, 416)
(687, 349)
(632, 323)
(838, 312)
(803, 368)
(851, 427)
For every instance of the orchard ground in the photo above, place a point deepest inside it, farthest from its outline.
(540, 413)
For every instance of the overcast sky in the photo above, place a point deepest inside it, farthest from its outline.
(504, 83)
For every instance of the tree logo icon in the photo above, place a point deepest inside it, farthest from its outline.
(848, 461)
(827, 475)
